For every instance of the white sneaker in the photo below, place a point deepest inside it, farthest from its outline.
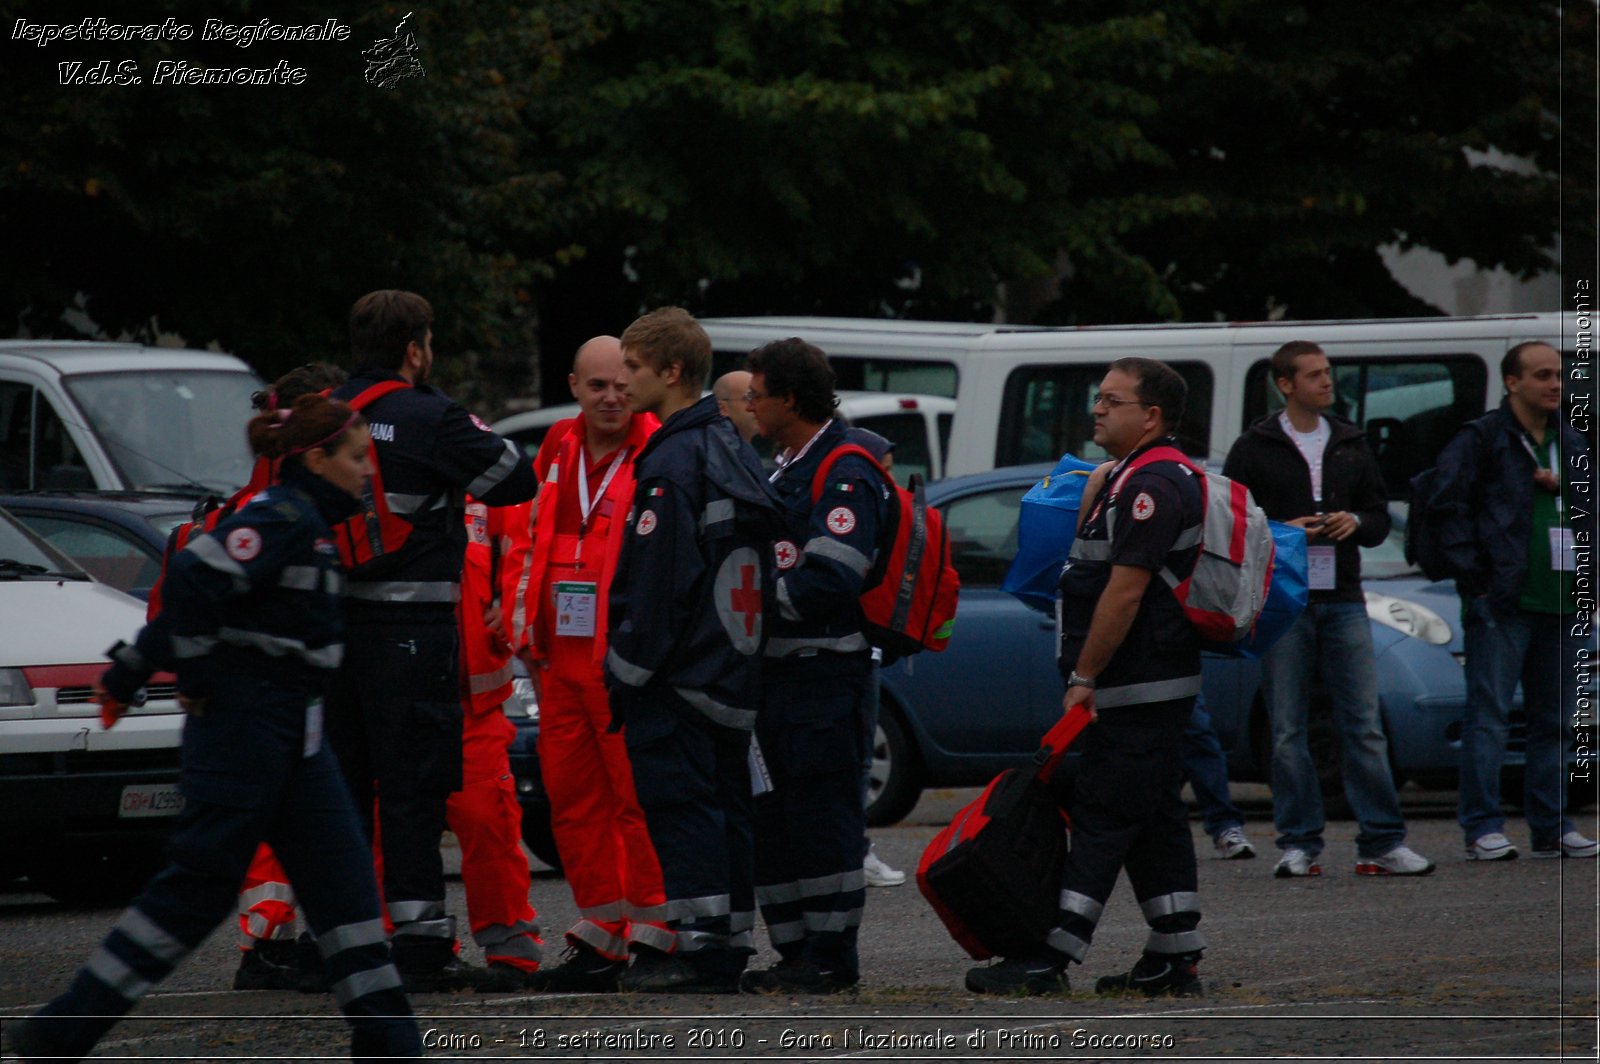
(1232, 845)
(1400, 861)
(879, 874)
(1295, 863)
(1572, 844)
(1491, 847)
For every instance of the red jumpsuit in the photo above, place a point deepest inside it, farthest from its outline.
(484, 814)
(563, 564)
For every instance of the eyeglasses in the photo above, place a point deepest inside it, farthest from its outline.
(1111, 400)
(752, 396)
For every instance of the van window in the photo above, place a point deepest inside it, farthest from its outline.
(1046, 412)
(1410, 408)
(920, 376)
(909, 434)
(35, 449)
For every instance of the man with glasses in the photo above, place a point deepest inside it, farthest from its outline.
(810, 728)
(1130, 655)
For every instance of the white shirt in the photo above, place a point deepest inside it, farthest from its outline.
(1311, 445)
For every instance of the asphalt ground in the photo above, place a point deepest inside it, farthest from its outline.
(1477, 961)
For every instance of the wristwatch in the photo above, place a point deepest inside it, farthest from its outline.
(1075, 680)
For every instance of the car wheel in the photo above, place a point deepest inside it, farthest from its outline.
(1511, 784)
(539, 837)
(96, 877)
(895, 780)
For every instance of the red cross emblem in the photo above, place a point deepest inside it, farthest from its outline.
(243, 544)
(746, 598)
(1144, 507)
(788, 555)
(647, 523)
(841, 521)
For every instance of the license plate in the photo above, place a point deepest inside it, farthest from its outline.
(150, 799)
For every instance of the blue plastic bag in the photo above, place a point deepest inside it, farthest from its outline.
(1049, 523)
(1287, 595)
(1045, 531)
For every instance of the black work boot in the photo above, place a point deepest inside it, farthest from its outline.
(429, 965)
(1157, 974)
(270, 964)
(583, 970)
(1024, 975)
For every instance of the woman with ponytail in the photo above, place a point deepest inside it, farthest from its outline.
(251, 624)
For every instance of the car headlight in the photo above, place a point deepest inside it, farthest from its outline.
(14, 689)
(1409, 618)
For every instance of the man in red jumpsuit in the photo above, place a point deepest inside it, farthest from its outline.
(563, 565)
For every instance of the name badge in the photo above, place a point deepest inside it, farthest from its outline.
(313, 741)
(1322, 565)
(1562, 556)
(575, 607)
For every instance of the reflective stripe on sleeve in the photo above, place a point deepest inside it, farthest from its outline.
(501, 469)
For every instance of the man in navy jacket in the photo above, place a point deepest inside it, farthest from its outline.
(1511, 516)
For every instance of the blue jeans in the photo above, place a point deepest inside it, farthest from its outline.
(1207, 770)
(869, 731)
(1334, 639)
(1538, 649)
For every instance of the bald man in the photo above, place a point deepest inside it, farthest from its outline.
(729, 390)
(562, 567)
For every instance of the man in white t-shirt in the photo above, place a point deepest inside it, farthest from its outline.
(1310, 469)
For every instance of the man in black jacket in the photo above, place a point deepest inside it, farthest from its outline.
(688, 615)
(1510, 531)
(1316, 472)
(394, 713)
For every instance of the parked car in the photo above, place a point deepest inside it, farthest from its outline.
(957, 718)
(919, 425)
(83, 811)
(118, 537)
(121, 416)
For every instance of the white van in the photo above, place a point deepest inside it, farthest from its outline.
(79, 415)
(1024, 393)
(919, 425)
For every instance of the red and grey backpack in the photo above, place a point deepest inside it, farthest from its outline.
(376, 530)
(1224, 594)
(909, 603)
(207, 515)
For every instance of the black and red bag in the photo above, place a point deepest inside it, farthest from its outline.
(376, 530)
(994, 874)
(909, 604)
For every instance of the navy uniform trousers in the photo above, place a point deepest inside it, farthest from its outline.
(692, 778)
(245, 780)
(809, 827)
(1128, 812)
(395, 720)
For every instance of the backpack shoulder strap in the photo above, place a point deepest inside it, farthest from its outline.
(1152, 456)
(819, 480)
(377, 391)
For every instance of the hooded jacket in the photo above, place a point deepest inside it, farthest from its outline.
(693, 584)
(1266, 461)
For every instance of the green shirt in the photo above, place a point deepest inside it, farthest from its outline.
(1546, 590)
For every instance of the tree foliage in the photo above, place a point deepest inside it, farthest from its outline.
(565, 164)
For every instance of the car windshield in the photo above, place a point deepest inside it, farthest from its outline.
(171, 428)
(22, 554)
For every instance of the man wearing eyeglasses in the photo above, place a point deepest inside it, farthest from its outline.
(1130, 655)
(810, 882)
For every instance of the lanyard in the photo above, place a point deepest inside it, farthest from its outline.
(1555, 462)
(586, 505)
(785, 463)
